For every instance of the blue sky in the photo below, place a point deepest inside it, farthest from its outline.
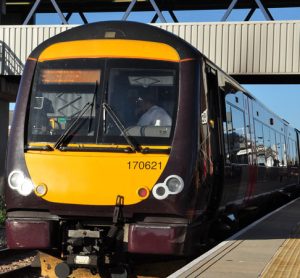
(284, 100)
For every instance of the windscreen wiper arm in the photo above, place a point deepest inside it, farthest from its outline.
(120, 126)
(38, 148)
(65, 134)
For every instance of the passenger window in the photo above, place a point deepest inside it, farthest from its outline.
(281, 149)
(274, 153)
(278, 144)
(259, 142)
(289, 152)
(268, 148)
(291, 156)
(284, 151)
(237, 143)
(293, 153)
(296, 154)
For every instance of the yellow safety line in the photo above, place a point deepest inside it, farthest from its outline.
(286, 261)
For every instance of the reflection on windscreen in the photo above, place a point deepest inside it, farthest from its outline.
(143, 100)
(57, 98)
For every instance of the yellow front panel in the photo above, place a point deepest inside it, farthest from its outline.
(94, 178)
(110, 49)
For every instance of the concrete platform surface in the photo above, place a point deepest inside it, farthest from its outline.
(269, 247)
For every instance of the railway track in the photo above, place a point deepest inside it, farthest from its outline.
(16, 263)
(24, 272)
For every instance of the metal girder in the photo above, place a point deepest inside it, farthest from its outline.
(247, 18)
(35, 6)
(158, 12)
(260, 5)
(155, 7)
(173, 16)
(129, 9)
(264, 10)
(229, 10)
(155, 17)
(68, 16)
(82, 16)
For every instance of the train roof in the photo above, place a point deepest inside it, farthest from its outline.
(120, 30)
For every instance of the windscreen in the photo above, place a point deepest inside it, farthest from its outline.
(144, 100)
(60, 92)
(102, 101)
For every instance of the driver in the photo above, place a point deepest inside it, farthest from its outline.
(150, 113)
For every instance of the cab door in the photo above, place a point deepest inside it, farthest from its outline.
(212, 109)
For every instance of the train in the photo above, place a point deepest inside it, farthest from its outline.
(127, 140)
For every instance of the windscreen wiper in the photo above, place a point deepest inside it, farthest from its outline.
(65, 134)
(119, 125)
(38, 148)
(88, 105)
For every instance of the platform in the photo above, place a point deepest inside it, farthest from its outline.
(269, 247)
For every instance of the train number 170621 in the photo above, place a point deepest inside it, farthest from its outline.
(144, 165)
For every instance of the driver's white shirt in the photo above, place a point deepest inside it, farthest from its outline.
(155, 116)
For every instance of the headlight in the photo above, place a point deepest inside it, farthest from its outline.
(174, 184)
(18, 181)
(160, 191)
(171, 186)
(15, 179)
(26, 188)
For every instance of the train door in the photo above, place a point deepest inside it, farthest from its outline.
(215, 146)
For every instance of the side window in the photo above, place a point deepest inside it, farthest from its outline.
(281, 148)
(291, 155)
(259, 142)
(237, 144)
(296, 153)
(284, 151)
(274, 153)
(268, 148)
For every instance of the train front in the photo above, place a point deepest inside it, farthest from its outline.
(93, 162)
